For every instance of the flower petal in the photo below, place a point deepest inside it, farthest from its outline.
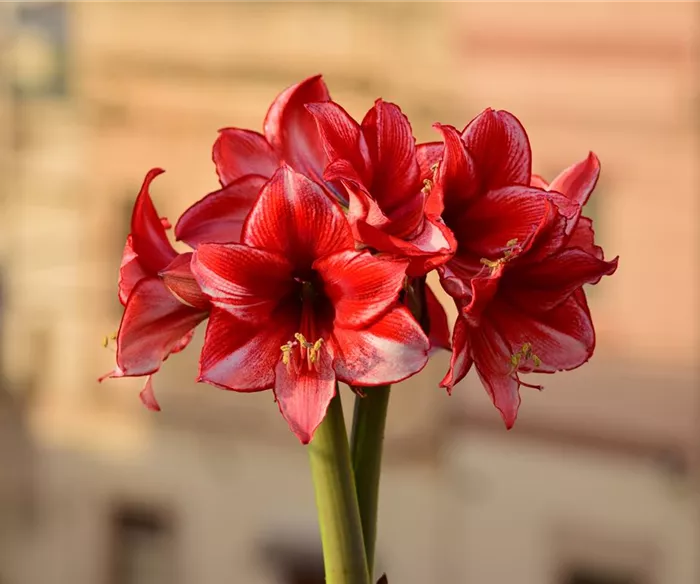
(294, 217)
(131, 272)
(153, 324)
(237, 153)
(361, 286)
(219, 216)
(291, 130)
(492, 355)
(583, 236)
(562, 338)
(546, 284)
(501, 150)
(148, 397)
(242, 357)
(178, 278)
(248, 283)
(455, 179)
(438, 329)
(538, 182)
(148, 239)
(390, 350)
(303, 394)
(578, 181)
(342, 138)
(428, 154)
(499, 217)
(461, 360)
(392, 150)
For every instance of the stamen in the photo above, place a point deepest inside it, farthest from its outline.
(108, 338)
(511, 248)
(524, 355)
(427, 186)
(304, 351)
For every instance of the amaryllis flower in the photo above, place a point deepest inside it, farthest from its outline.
(482, 184)
(389, 199)
(245, 159)
(296, 308)
(526, 310)
(163, 303)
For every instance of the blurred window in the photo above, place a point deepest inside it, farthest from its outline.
(144, 548)
(41, 49)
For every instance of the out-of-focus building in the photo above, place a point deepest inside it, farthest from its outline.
(598, 482)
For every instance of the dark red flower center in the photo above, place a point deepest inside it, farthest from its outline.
(316, 314)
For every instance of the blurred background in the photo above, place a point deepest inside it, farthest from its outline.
(598, 483)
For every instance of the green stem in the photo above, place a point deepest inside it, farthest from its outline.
(368, 426)
(336, 500)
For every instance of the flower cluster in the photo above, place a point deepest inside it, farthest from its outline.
(310, 261)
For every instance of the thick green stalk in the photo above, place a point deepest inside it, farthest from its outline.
(336, 500)
(367, 441)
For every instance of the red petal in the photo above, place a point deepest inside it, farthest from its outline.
(439, 330)
(483, 291)
(342, 138)
(180, 281)
(148, 398)
(428, 154)
(492, 355)
(433, 239)
(538, 182)
(238, 153)
(295, 218)
(552, 233)
(392, 150)
(578, 181)
(242, 357)
(455, 180)
(303, 395)
(544, 285)
(501, 150)
(390, 350)
(362, 207)
(497, 218)
(248, 283)
(563, 338)
(583, 237)
(361, 286)
(153, 324)
(219, 217)
(130, 272)
(148, 239)
(292, 131)
(461, 360)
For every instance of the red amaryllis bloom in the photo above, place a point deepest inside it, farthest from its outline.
(162, 300)
(526, 310)
(296, 308)
(245, 159)
(378, 162)
(482, 182)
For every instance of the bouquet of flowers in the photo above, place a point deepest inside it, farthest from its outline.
(309, 265)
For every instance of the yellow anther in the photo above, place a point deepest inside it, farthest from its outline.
(435, 167)
(511, 246)
(427, 185)
(523, 355)
(107, 338)
(307, 350)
